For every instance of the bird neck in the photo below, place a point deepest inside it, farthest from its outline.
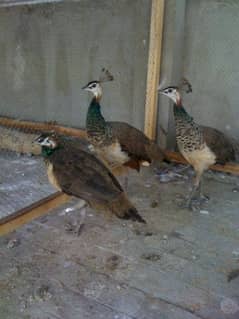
(95, 120)
(98, 94)
(180, 112)
(46, 151)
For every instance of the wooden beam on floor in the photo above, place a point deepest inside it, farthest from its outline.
(31, 212)
(154, 62)
(37, 127)
(232, 168)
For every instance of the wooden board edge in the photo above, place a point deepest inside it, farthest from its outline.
(154, 64)
(36, 127)
(31, 212)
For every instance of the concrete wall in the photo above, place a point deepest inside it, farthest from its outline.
(211, 62)
(49, 51)
(202, 37)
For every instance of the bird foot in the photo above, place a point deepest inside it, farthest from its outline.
(204, 198)
(194, 204)
(187, 205)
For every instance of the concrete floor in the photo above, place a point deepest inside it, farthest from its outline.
(77, 264)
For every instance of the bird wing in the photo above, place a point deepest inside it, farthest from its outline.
(135, 143)
(219, 143)
(76, 142)
(132, 141)
(82, 175)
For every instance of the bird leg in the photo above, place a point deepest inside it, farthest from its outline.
(126, 183)
(195, 189)
(77, 225)
(191, 197)
(202, 196)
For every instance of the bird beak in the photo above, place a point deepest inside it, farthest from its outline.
(84, 87)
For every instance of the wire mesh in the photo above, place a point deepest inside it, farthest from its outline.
(23, 178)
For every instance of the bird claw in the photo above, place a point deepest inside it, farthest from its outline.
(189, 207)
(204, 198)
(193, 204)
(185, 205)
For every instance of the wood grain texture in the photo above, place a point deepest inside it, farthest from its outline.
(37, 127)
(31, 212)
(154, 59)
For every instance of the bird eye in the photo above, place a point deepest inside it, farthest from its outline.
(169, 90)
(93, 85)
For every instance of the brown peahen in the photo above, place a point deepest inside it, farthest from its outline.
(201, 146)
(73, 170)
(119, 144)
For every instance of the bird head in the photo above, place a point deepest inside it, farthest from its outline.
(47, 140)
(94, 87)
(173, 93)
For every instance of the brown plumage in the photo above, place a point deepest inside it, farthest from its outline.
(135, 143)
(75, 171)
(117, 143)
(202, 146)
(220, 144)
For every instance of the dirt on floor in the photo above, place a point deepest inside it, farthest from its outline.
(74, 263)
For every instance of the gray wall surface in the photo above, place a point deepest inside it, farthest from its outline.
(49, 51)
(211, 62)
(207, 54)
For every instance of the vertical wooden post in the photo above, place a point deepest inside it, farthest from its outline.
(154, 59)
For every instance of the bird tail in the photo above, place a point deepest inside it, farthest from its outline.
(156, 153)
(236, 148)
(124, 209)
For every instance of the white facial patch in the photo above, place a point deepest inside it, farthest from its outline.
(95, 88)
(172, 94)
(48, 142)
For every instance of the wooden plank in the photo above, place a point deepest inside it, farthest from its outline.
(35, 210)
(232, 168)
(37, 127)
(155, 46)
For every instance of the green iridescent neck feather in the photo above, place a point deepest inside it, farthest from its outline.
(95, 122)
(179, 111)
(47, 151)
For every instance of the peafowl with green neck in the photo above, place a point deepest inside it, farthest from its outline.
(120, 145)
(75, 171)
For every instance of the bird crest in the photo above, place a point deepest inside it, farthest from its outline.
(105, 76)
(185, 85)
